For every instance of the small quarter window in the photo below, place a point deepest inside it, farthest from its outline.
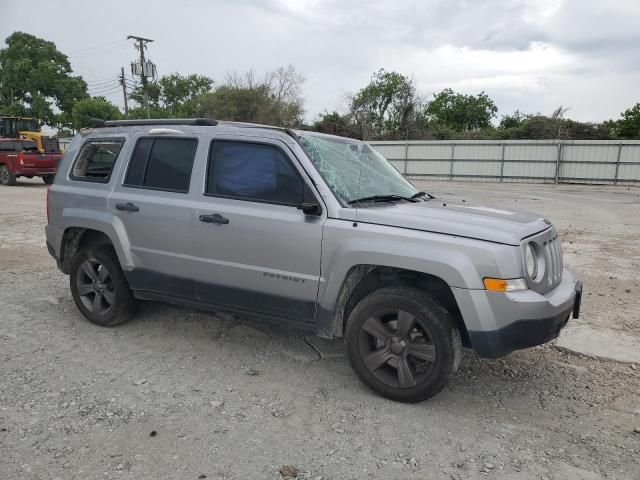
(96, 160)
(162, 164)
(252, 171)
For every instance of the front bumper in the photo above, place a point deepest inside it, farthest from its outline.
(499, 323)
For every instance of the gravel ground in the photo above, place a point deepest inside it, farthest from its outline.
(182, 394)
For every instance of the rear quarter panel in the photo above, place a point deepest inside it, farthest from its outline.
(75, 203)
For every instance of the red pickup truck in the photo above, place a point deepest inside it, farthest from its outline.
(20, 158)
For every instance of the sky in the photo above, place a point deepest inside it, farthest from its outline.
(527, 55)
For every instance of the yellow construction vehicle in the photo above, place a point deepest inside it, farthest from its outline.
(28, 128)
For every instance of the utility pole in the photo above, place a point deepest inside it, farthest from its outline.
(142, 44)
(124, 92)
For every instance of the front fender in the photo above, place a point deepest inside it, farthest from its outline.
(459, 262)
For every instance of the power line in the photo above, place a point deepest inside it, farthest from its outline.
(101, 84)
(96, 47)
(108, 90)
(98, 80)
(105, 87)
(115, 81)
(97, 53)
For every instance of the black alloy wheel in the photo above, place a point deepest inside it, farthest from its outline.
(397, 348)
(95, 287)
(402, 343)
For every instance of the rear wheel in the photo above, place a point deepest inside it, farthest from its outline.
(48, 179)
(99, 288)
(6, 177)
(402, 344)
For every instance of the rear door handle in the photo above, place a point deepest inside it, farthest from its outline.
(214, 218)
(127, 207)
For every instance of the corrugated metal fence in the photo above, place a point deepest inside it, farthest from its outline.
(541, 161)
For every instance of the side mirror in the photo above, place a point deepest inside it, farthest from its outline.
(310, 208)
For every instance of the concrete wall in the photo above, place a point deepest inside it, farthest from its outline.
(543, 161)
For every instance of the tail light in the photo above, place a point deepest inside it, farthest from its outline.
(21, 159)
(47, 200)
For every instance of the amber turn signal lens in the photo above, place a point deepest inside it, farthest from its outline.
(495, 284)
(502, 285)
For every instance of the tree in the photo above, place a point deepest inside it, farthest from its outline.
(154, 92)
(36, 79)
(274, 99)
(387, 107)
(96, 107)
(173, 95)
(335, 124)
(512, 121)
(628, 127)
(552, 127)
(180, 92)
(459, 112)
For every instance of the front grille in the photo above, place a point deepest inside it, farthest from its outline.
(553, 257)
(547, 244)
(50, 144)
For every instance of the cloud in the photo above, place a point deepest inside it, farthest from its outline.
(530, 55)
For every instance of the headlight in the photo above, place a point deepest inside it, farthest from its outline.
(531, 262)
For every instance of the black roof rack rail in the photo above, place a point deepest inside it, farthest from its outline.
(199, 122)
(288, 131)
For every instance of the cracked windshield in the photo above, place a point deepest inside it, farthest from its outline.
(353, 169)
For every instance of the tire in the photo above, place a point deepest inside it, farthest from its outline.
(96, 274)
(48, 179)
(6, 177)
(402, 344)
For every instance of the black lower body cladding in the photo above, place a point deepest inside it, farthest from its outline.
(518, 335)
(523, 333)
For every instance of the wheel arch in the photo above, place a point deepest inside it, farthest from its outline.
(361, 280)
(75, 239)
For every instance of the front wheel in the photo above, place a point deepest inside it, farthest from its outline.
(48, 179)
(6, 177)
(99, 288)
(402, 344)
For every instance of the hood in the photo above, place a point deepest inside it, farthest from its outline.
(492, 224)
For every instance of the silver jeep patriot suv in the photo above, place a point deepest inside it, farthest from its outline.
(315, 231)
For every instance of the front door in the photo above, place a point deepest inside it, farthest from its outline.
(257, 251)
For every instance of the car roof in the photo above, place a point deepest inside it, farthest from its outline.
(188, 125)
(196, 126)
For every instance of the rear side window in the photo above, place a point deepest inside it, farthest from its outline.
(96, 160)
(7, 147)
(252, 171)
(162, 164)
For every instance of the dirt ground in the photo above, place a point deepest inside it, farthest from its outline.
(182, 394)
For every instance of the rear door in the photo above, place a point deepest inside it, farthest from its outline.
(257, 252)
(154, 210)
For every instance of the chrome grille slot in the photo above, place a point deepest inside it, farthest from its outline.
(548, 262)
(548, 245)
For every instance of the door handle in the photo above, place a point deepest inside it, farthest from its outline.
(214, 218)
(127, 207)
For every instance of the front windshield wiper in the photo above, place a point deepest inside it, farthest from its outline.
(422, 194)
(382, 198)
